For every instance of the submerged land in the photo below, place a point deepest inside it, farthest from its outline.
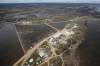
(57, 49)
(51, 34)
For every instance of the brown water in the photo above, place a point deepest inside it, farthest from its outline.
(30, 34)
(10, 50)
(90, 50)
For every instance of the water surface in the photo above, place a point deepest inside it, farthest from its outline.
(10, 50)
(89, 50)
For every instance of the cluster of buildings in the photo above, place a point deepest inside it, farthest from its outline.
(43, 52)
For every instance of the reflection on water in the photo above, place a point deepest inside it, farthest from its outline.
(10, 49)
(89, 50)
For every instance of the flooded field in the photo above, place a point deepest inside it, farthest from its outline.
(32, 34)
(10, 50)
(10, 45)
(89, 49)
(59, 25)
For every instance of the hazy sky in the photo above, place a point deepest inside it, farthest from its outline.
(27, 1)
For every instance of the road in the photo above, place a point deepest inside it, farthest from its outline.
(31, 51)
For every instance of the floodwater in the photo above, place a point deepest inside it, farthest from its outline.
(90, 50)
(10, 50)
(59, 25)
(30, 34)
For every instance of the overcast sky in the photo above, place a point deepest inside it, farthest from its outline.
(65, 1)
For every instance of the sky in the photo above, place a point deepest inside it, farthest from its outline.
(40, 1)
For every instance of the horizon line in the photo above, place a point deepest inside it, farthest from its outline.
(48, 2)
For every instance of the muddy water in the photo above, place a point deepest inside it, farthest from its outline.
(10, 49)
(32, 34)
(90, 50)
(59, 25)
